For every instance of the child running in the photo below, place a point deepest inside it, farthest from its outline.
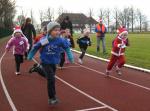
(118, 50)
(51, 46)
(43, 33)
(19, 44)
(84, 42)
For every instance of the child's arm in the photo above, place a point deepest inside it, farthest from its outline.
(69, 55)
(9, 44)
(66, 47)
(25, 45)
(33, 51)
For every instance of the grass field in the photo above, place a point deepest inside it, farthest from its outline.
(138, 54)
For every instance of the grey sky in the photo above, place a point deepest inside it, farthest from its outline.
(80, 6)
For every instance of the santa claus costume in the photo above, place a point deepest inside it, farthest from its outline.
(118, 50)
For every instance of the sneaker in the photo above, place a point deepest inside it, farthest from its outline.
(17, 73)
(53, 101)
(107, 73)
(80, 61)
(118, 71)
(34, 68)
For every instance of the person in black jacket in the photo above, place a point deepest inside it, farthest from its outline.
(67, 24)
(28, 29)
(83, 42)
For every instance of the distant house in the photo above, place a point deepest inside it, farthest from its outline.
(43, 24)
(79, 21)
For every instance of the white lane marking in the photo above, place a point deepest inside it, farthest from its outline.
(66, 67)
(85, 94)
(125, 81)
(106, 60)
(4, 87)
(91, 109)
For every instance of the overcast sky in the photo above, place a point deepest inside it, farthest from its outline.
(80, 6)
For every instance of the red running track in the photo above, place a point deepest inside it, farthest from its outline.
(78, 87)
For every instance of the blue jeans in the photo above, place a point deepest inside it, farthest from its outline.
(103, 44)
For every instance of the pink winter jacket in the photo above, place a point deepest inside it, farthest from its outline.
(19, 45)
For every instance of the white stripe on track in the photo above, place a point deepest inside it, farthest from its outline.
(125, 81)
(4, 86)
(91, 109)
(85, 94)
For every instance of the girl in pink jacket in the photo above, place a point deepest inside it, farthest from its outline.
(19, 44)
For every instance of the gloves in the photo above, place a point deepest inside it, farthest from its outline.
(121, 45)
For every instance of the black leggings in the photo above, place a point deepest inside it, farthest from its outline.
(62, 59)
(18, 60)
(50, 70)
(26, 53)
(83, 50)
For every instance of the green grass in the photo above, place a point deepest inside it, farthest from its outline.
(138, 54)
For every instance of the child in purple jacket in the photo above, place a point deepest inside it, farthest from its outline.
(19, 44)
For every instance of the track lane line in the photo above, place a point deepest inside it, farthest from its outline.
(4, 86)
(91, 109)
(125, 81)
(85, 94)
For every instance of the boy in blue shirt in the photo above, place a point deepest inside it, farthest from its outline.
(50, 48)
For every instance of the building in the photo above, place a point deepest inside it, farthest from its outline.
(79, 21)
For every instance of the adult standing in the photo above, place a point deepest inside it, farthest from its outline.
(100, 33)
(29, 31)
(67, 24)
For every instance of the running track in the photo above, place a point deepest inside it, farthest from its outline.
(79, 88)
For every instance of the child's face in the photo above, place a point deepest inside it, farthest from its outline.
(44, 32)
(124, 36)
(64, 35)
(17, 34)
(87, 34)
(55, 32)
(67, 32)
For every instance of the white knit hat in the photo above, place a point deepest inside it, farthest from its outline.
(86, 30)
(17, 29)
(51, 25)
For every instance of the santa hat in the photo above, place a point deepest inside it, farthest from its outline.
(18, 29)
(122, 30)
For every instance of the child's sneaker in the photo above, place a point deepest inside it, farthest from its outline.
(107, 73)
(34, 68)
(17, 73)
(118, 71)
(80, 61)
(53, 101)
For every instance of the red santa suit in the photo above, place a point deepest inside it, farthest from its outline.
(118, 50)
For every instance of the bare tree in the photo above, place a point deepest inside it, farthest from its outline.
(101, 13)
(32, 17)
(132, 18)
(116, 16)
(90, 13)
(20, 19)
(41, 15)
(49, 14)
(108, 17)
(60, 11)
(140, 18)
(7, 12)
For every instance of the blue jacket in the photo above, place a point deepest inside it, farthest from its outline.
(51, 49)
